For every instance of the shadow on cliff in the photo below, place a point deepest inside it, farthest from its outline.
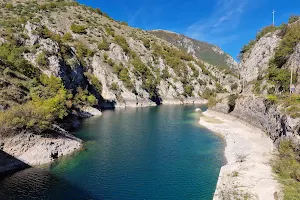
(10, 164)
(36, 183)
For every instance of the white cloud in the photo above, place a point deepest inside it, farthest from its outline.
(219, 26)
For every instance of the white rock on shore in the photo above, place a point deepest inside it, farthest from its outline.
(39, 149)
(248, 173)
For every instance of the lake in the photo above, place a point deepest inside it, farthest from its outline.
(130, 154)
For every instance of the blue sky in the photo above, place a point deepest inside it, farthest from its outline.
(227, 23)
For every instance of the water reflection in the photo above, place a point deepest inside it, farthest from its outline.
(39, 184)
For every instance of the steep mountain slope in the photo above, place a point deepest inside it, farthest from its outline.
(81, 44)
(207, 52)
(267, 63)
(60, 60)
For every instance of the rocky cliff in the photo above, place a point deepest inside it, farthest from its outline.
(266, 66)
(120, 65)
(264, 114)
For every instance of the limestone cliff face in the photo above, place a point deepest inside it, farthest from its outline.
(265, 115)
(256, 60)
(130, 69)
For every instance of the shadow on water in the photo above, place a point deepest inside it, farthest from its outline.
(39, 184)
(10, 164)
(33, 183)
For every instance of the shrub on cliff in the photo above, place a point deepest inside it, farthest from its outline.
(146, 43)
(287, 166)
(48, 104)
(208, 93)
(121, 41)
(293, 19)
(42, 59)
(83, 51)
(259, 35)
(84, 98)
(94, 81)
(78, 29)
(104, 45)
(232, 101)
(188, 90)
(12, 56)
(287, 45)
(281, 78)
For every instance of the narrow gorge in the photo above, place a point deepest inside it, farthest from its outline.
(62, 62)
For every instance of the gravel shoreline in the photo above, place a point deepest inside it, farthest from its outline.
(247, 174)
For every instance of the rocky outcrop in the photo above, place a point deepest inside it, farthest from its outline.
(34, 149)
(87, 111)
(265, 115)
(256, 61)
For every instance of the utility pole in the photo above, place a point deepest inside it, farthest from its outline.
(273, 17)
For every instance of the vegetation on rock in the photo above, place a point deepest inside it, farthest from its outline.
(287, 166)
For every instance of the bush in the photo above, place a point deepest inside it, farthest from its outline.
(281, 77)
(291, 104)
(48, 104)
(287, 167)
(83, 51)
(165, 74)
(114, 86)
(219, 88)
(234, 86)
(84, 98)
(42, 59)
(188, 90)
(67, 37)
(109, 30)
(272, 98)
(123, 75)
(146, 43)
(110, 62)
(121, 41)
(293, 19)
(12, 56)
(208, 93)
(266, 30)
(247, 47)
(140, 69)
(9, 6)
(104, 45)
(78, 29)
(231, 102)
(259, 35)
(124, 23)
(287, 45)
(94, 81)
(212, 101)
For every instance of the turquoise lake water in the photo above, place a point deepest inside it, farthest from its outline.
(130, 154)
